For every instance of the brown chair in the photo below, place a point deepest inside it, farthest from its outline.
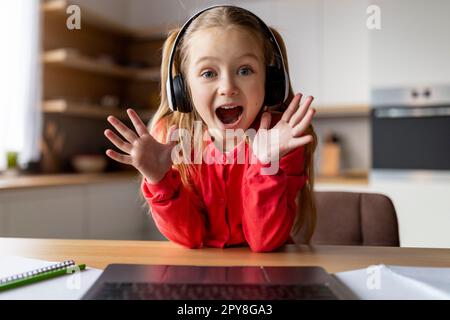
(347, 218)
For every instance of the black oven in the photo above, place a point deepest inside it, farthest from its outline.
(411, 128)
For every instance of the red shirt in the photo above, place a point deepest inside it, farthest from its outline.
(236, 204)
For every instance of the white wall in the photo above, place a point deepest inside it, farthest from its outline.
(149, 13)
(344, 52)
(144, 14)
(412, 47)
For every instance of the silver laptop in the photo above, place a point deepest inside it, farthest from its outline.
(170, 282)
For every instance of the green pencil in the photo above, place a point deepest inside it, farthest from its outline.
(42, 276)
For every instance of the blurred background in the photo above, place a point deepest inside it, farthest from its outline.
(379, 72)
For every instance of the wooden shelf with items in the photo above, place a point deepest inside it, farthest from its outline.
(89, 73)
(338, 111)
(357, 177)
(73, 59)
(89, 111)
(39, 181)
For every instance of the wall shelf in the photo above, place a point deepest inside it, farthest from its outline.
(52, 180)
(72, 59)
(89, 110)
(346, 178)
(340, 111)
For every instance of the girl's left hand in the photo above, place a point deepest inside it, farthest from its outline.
(295, 120)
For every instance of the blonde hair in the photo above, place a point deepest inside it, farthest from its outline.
(223, 17)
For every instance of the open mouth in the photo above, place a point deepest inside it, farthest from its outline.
(229, 114)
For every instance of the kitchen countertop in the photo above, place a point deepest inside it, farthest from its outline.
(51, 180)
(343, 179)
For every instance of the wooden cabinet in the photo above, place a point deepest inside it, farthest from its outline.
(3, 218)
(127, 218)
(40, 213)
(112, 210)
(88, 74)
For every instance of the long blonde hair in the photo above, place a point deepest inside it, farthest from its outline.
(223, 17)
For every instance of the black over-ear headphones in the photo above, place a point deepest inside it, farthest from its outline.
(277, 79)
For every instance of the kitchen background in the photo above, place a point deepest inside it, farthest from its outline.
(365, 62)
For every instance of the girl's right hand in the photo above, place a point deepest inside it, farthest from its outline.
(151, 158)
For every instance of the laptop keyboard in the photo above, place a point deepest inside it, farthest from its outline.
(167, 291)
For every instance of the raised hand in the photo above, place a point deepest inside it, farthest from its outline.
(151, 158)
(286, 135)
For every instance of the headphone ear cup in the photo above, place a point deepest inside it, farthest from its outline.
(275, 86)
(181, 97)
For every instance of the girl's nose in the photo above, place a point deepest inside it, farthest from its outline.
(228, 87)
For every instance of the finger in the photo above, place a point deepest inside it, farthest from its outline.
(118, 156)
(117, 141)
(300, 141)
(140, 127)
(297, 117)
(126, 132)
(304, 123)
(292, 107)
(265, 120)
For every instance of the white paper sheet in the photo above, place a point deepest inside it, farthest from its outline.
(70, 287)
(398, 282)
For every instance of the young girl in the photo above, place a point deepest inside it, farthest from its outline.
(225, 58)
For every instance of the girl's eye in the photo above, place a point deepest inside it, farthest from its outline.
(208, 74)
(245, 71)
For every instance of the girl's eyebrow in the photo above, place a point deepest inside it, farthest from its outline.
(245, 55)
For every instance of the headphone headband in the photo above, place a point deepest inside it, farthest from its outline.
(278, 55)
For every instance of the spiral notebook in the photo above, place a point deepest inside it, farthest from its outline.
(41, 274)
(60, 288)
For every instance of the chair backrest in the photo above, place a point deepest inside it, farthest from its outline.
(347, 218)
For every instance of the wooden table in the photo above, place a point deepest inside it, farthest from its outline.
(100, 253)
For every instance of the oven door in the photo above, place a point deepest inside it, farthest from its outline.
(411, 137)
